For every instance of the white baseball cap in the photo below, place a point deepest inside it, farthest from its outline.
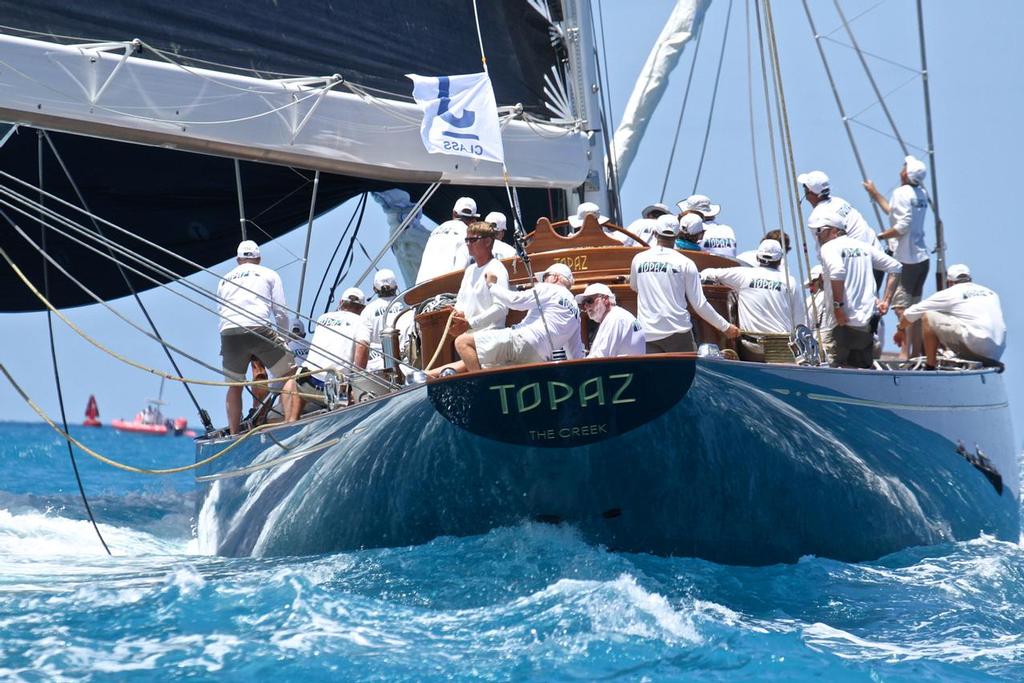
(354, 295)
(815, 181)
(465, 207)
(385, 278)
(701, 204)
(593, 289)
(650, 208)
(497, 219)
(825, 218)
(558, 269)
(916, 170)
(958, 271)
(585, 209)
(691, 224)
(667, 225)
(248, 249)
(769, 250)
(816, 272)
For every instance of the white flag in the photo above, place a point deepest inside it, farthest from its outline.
(460, 115)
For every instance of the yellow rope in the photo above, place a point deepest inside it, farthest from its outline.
(154, 371)
(113, 463)
(440, 344)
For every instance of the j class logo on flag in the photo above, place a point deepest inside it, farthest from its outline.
(460, 115)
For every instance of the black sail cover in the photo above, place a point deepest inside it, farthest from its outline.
(188, 202)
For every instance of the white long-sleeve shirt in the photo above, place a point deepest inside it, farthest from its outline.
(852, 262)
(619, 334)
(474, 298)
(561, 314)
(642, 228)
(853, 221)
(441, 253)
(769, 302)
(907, 208)
(664, 281)
(977, 308)
(334, 341)
(257, 291)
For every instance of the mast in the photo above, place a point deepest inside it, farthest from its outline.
(940, 241)
(586, 89)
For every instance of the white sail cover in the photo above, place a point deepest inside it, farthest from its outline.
(320, 124)
(683, 24)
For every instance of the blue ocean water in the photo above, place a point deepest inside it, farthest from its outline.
(530, 602)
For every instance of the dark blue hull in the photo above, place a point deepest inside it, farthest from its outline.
(732, 462)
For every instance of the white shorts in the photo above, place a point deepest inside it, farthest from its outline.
(952, 335)
(504, 347)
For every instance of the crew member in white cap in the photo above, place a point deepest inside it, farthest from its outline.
(297, 343)
(369, 353)
(253, 320)
(906, 208)
(332, 349)
(691, 232)
(475, 309)
(500, 248)
(718, 238)
(848, 266)
(618, 332)
(582, 211)
(642, 227)
(555, 334)
(750, 256)
(441, 253)
(769, 301)
(965, 318)
(819, 307)
(664, 281)
(818, 192)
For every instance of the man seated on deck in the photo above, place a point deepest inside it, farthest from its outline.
(965, 318)
(546, 333)
(849, 266)
(253, 316)
(475, 309)
(664, 281)
(769, 300)
(331, 350)
(618, 332)
(441, 253)
(369, 354)
(717, 238)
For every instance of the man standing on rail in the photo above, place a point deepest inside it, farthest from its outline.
(253, 318)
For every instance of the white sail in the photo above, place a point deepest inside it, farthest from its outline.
(322, 124)
(682, 25)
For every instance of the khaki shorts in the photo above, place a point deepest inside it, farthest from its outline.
(680, 342)
(504, 347)
(910, 284)
(952, 336)
(239, 344)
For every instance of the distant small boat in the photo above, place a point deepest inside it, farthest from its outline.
(92, 413)
(151, 420)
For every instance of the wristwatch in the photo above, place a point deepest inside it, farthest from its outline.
(837, 304)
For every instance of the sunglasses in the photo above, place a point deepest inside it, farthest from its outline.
(470, 240)
(590, 300)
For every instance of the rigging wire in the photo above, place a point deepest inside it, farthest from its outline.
(204, 416)
(337, 248)
(682, 110)
(348, 258)
(607, 119)
(768, 115)
(714, 98)
(56, 367)
(750, 107)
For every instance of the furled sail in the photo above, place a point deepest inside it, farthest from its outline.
(187, 201)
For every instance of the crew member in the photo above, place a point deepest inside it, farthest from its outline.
(691, 232)
(906, 208)
(665, 281)
(769, 301)
(475, 309)
(750, 256)
(642, 227)
(441, 253)
(848, 265)
(718, 238)
(587, 209)
(618, 332)
(253, 316)
(332, 349)
(500, 248)
(818, 192)
(546, 333)
(965, 318)
(368, 352)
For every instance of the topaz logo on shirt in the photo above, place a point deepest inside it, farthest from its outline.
(765, 283)
(853, 252)
(718, 243)
(655, 267)
(244, 273)
(975, 293)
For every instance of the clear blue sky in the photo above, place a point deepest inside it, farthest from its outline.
(977, 91)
